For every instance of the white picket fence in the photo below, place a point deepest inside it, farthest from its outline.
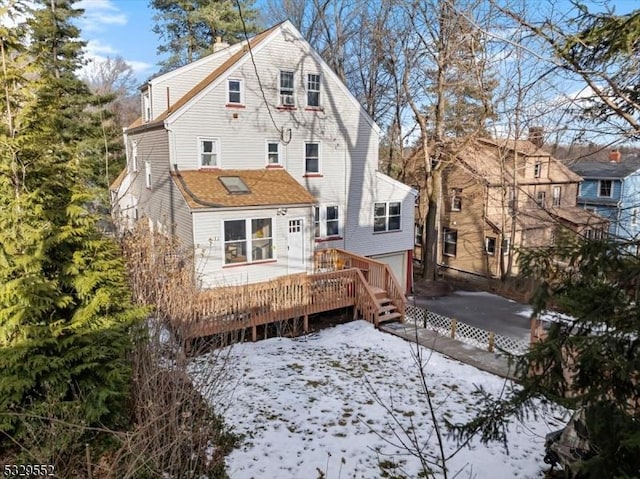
(466, 333)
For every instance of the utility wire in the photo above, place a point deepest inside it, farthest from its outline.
(255, 68)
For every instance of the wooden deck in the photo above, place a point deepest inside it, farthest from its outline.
(340, 280)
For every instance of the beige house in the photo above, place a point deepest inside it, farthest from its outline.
(503, 196)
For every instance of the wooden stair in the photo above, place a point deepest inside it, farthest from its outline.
(387, 311)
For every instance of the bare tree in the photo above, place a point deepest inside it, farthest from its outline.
(444, 57)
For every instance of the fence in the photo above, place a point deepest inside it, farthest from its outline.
(466, 333)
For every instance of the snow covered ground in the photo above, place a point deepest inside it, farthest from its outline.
(308, 405)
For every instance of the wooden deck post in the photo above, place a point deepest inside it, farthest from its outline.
(492, 341)
(305, 325)
(254, 333)
(454, 326)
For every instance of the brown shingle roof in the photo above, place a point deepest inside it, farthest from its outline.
(118, 181)
(211, 77)
(484, 158)
(269, 187)
(137, 122)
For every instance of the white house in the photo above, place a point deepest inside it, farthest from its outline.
(258, 155)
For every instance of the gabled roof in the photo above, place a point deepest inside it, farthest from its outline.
(268, 187)
(607, 170)
(484, 158)
(118, 181)
(210, 78)
(242, 53)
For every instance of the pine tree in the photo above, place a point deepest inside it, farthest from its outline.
(590, 359)
(190, 27)
(65, 308)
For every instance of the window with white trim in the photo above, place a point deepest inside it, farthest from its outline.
(490, 245)
(605, 188)
(147, 174)
(537, 169)
(456, 199)
(312, 157)
(274, 155)
(134, 156)
(235, 92)
(248, 240)
(387, 216)
(146, 106)
(541, 199)
(287, 97)
(313, 90)
(449, 242)
(326, 221)
(209, 154)
(557, 195)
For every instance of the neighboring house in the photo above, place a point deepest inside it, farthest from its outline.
(612, 189)
(256, 156)
(489, 213)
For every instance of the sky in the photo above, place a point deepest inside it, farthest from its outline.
(124, 28)
(121, 28)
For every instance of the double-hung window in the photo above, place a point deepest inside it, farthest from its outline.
(313, 90)
(541, 199)
(134, 156)
(286, 89)
(326, 221)
(557, 195)
(605, 188)
(312, 157)
(449, 241)
(234, 88)
(209, 153)
(537, 170)
(274, 154)
(248, 240)
(456, 199)
(387, 216)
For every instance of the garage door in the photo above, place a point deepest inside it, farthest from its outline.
(398, 264)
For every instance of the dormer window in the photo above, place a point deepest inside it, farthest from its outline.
(537, 169)
(235, 93)
(286, 89)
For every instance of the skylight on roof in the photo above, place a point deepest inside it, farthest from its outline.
(234, 185)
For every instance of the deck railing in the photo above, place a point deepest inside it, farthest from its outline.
(234, 308)
(376, 273)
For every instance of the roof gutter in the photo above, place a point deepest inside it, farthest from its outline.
(191, 194)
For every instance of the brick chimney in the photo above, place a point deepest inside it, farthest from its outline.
(536, 135)
(219, 45)
(615, 156)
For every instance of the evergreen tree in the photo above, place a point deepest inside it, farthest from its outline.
(591, 360)
(190, 27)
(65, 308)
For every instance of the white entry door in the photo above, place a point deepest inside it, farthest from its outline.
(295, 244)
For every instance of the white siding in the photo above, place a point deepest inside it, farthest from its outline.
(361, 238)
(183, 79)
(348, 153)
(348, 142)
(209, 246)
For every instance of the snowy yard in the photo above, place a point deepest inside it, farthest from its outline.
(306, 405)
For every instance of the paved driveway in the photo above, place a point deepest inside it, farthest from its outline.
(482, 310)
